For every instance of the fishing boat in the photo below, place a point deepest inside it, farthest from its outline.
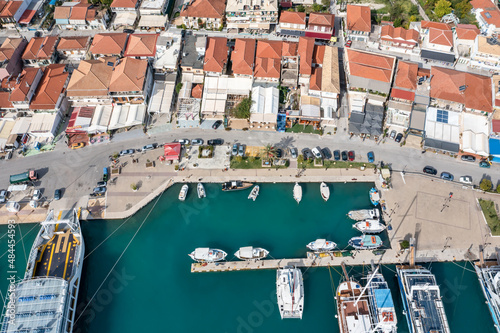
(353, 309)
(369, 226)
(45, 299)
(374, 196)
(235, 185)
(290, 292)
(381, 303)
(183, 193)
(255, 193)
(251, 253)
(297, 192)
(363, 214)
(488, 273)
(325, 191)
(321, 245)
(205, 254)
(201, 191)
(365, 242)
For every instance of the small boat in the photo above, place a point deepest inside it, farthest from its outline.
(255, 193)
(321, 245)
(374, 196)
(369, 226)
(363, 214)
(325, 191)
(183, 193)
(381, 303)
(235, 185)
(365, 242)
(251, 253)
(205, 254)
(297, 192)
(201, 191)
(290, 292)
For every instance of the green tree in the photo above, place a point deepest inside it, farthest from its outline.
(498, 188)
(242, 110)
(413, 10)
(462, 9)
(485, 185)
(301, 8)
(442, 8)
(325, 3)
(398, 22)
(178, 87)
(316, 7)
(269, 152)
(413, 18)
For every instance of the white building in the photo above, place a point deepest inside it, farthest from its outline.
(168, 48)
(265, 105)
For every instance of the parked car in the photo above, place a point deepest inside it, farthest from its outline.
(484, 164)
(393, 134)
(468, 158)
(37, 195)
(100, 184)
(215, 142)
(326, 153)
(197, 142)
(307, 153)
(344, 155)
(279, 153)
(234, 151)
(446, 176)
(217, 124)
(77, 145)
(293, 152)
(466, 180)
(127, 152)
(149, 147)
(351, 155)
(348, 43)
(399, 137)
(317, 152)
(184, 141)
(3, 196)
(430, 170)
(57, 194)
(336, 155)
(241, 150)
(371, 157)
(100, 190)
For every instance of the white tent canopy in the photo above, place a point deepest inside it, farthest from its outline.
(21, 126)
(127, 116)
(265, 104)
(44, 124)
(100, 120)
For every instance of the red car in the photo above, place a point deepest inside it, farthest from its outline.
(349, 43)
(351, 155)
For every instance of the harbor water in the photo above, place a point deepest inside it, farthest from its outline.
(136, 275)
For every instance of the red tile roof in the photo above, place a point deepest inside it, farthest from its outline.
(73, 43)
(289, 49)
(79, 12)
(49, 89)
(403, 94)
(108, 43)
(129, 75)
(441, 37)
(8, 48)
(141, 45)
(10, 8)
(322, 19)
(205, 9)
(467, 31)
(269, 49)
(399, 34)
(197, 91)
(489, 7)
(243, 56)
(21, 89)
(446, 83)
(3, 3)
(315, 80)
(435, 25)
(268, 59)
(124, 3)
(215, 55)
(4, 100)
(293, 17)
(495, 125)
(306, 49)
(359, 18)
(370, 66)
(406, 75)
(318, 54)
(62, 12)
(40, 48)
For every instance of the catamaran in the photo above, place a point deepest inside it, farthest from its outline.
(290, 292)
(325, 191)
(201, 191)
(183, 192)
(251, 253)
(297, 192)
(381, 303)
(321, 245)
(488, 273)
(255, 193)
(205, 254)
(369, 226)
(45, 300)
(363, 214)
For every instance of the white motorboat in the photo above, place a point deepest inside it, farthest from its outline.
(183, 193)
(251, 253)
(290, 292)
(363, 214)
(325, 191)
(370, 226)
(321, 245)
(205, 254)
(201, 191)
(255, 193)
(297, 192)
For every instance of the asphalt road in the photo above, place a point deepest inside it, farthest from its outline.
(77, 171)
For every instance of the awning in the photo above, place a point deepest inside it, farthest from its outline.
(27, 16)
(125, 19)
(44, 124)
(403, 94)
(153, 21)
(21, 126)
(296, 33)
(437, 56)
(441, 145)
(319, 35)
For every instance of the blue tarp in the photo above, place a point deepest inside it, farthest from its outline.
(383, 298)
(495, 149)
(52, 2)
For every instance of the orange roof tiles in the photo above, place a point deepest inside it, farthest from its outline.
(216, 54)
(403, 94)
(446, 83)
(268, 59)
(435, 25)
(129, 75)
(73, 43)
(306, 49)
(359, 18)
(10, 8)
(3, 3)
(315, 80)
(21, 89)
(399, 34)
(62, 12)
(441, 37)
(467, 31)
(318, 54)
(124, 3)
(92, 77)
(108, 43)
(197, 91)
(293, 17)
(205, 9)
(406, 75)
(49, 89)
(269, 49)
(243, 56)
(4, 100)
(141, 45)
(370, 66)
(322, 19)
(289, 49)
(8, 48)
(79, 12)
(492, 16)
(40, 48)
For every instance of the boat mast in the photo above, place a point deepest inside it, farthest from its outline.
(366, 286)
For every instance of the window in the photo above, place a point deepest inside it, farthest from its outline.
(442, 116)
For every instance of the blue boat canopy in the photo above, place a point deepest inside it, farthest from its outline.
(383, 298)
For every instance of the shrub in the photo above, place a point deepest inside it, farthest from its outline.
(300, 159)
(228, 128)
(485, 185)
(404, 244)
(498, 188)
(133, 186)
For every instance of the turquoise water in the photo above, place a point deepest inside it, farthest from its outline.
(151, 288)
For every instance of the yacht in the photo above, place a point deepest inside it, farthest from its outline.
(201, 191)
(255, 193)
(297, 192)
(235, 185)
(363, 214)
(369, 226)
(488, 273)
(290, 292)
(205, 254)
(251, 253)
(321, 245)
(45, 299)
(325, 191)
(365, 242)
(183, 193)
(381, 303)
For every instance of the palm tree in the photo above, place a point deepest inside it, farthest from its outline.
(269, 152)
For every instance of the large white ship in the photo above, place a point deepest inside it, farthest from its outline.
(290, 292)
(45, 300)
(488, 273)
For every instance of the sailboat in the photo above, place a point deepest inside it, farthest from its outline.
(290, 292)
(325, 191)
(297, 192)
(488, 273)
(381, 303)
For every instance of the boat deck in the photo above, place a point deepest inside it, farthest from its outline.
(57, 256)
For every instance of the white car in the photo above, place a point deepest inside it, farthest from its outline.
(466, 180)
(37, 195)
(3, 196)
(317, 153)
